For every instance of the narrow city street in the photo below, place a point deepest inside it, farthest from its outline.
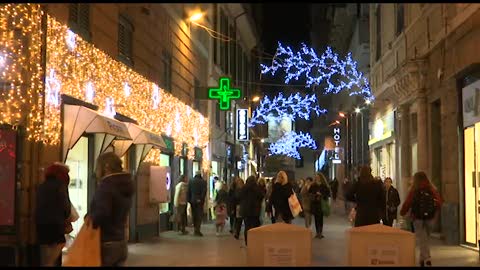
(171, 249)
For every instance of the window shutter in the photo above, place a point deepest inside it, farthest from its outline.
(73, 14)
(125, 36)
(84, 17)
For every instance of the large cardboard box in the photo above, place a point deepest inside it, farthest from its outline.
(380, 245)
(279, 244)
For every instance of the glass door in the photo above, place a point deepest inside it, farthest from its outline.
(470, 183)
(77, 160)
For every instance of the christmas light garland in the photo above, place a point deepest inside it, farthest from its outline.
(290, 142)
(293, 107)
(336, 73)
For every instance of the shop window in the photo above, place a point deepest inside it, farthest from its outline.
(378, 25)
(125, 40)
(79, 19)
(167, 71)
(400, 17)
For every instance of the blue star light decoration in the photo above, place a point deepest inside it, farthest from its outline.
(289, 144)
(293, 107)
(338, 74)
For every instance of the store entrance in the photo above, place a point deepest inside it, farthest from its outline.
(77, 160)
(472, 177)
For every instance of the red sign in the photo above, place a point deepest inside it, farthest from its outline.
(7, 177)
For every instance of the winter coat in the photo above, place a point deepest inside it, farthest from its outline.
(392, 201)
(279, 200)
(181, 193)
(231, 210)
(370, 199)
(315, 199)
(306, 202)
(251, 197)
(111, 204)
(423, 186)
(52, 210)
(222, 197)
(197, 190)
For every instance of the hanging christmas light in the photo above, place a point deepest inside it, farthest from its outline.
(338, 74)
(293, 107)
(52, 89)
(109, 107)
(289, 144)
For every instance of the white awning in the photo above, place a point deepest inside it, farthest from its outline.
(139, 136)
(78, 120)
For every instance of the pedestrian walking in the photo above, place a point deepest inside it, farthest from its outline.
(221, 208)
(423, 202)
(319, 194)
(197, 191)
(263, 187)
(52, 212)
(306, 202)
(180, 202)
(251, 197)
(110, 206)
(369, 197)
(268, 198)
(334, 188)
(231, 206)
(392, 201)
(238, 217)
(347, 187)
(281, 191)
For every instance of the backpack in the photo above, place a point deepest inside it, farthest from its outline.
(423, 205)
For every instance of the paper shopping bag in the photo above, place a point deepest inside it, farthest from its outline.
(85, 249)
(294, 205)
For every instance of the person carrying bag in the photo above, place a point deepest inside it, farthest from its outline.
(85, 249)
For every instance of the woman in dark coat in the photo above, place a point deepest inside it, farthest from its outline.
(281, 191)
(231, 208)
(369, 196)
(318, 191)
(238, 217)
(392, 201)
(251, 197)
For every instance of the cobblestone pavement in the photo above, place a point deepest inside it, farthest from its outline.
(172, 249)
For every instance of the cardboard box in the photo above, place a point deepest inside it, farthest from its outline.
(380, 245)
(279, 244)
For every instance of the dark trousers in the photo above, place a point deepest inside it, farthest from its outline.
(250, 223)
(238, 225)
(197, 213)
(232, 223)
(318, 222)
(114, 253)
(182, 217)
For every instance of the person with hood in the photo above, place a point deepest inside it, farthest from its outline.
(281, 191)
(423, 203)
(221, 207)
(392, 201)
(369, 196)
(52, 212)
(251, 197)
(180, 203)
(110, 207)
(306, 202)
(197, 191)
(318, 191)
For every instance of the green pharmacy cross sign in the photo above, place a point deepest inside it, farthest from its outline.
(224, 94)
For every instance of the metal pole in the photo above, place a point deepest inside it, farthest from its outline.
(235, 171)
(363, 142)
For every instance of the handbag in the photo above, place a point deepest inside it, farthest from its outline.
(294, 204)
(85, 249)
(325, 207)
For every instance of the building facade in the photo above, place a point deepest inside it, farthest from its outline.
(424, 67)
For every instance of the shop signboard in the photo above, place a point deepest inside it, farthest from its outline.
(198, 153)
(242, 128)
(160, 184)
(336, 139)
(383, 128)
(169, 143)
(8, 146)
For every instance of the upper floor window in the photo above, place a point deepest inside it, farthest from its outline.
(400, 18)
(167, 71)
(378, 26)
(125, 40)
(79, 19)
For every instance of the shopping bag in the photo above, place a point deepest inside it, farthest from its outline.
(85, 249)
(294, 204)
(325, 207)
(73, 214)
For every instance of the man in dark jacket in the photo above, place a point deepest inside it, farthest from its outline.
(197, 190)
(52, 210)
(110, 206)
(251, 197)
(392, 201)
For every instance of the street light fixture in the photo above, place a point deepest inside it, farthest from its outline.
(341, 114)
(357, 110)
(196, 17)
(255, 98)
(368, 101)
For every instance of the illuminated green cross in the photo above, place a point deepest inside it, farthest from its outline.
(224, 94)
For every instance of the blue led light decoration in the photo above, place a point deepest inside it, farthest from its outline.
(293, 107)
(290, 142)
(338, 74)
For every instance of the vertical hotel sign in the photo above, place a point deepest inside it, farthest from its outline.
(7, 177)
(336, 138)
(242, 128)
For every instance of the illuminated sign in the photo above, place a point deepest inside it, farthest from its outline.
(224, 94)
(336, 138)
(242, 128)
